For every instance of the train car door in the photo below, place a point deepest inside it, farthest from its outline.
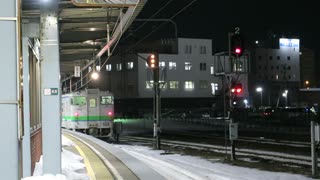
(93, 112)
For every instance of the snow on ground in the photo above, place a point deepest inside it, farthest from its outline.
(71, 165)
(179, 167)
(171, 166)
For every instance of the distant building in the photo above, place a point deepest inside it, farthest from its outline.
(277, 72)
(189, 76)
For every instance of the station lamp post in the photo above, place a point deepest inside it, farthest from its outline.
(259, 90)
(285, 95)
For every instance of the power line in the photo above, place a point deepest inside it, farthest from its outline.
(146, 36)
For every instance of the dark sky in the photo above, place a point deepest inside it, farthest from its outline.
(213, 19)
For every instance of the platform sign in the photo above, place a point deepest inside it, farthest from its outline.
(50, 91)
(76, 71)
(233, 131)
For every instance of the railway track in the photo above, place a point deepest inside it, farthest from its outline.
(293, 159)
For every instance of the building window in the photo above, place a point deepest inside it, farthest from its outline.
(289, 76)
(278, 57)
(259, 57)
(119, 67)
(277, 67)
(203, 50)
(277, 77)
(173, 84)
(162, 85)
(288, 57)
(162, 64)
(214, 88)
(188, 49)
(187, 66)
(203, 66)
(129, 65)
(270, 57)
(172, 65)
(271, 67)
(149, 84)
(211, 69)
(98, 68)
(108, 67)
(203, 84)
(259, 67)
(189, 85)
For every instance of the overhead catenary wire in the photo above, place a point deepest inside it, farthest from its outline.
(146, 36)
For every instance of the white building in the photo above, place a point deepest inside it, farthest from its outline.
(191, 73)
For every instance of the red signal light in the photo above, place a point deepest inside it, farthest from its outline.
(239, 90)
(109, 113)
(76, 114)
(238, 50)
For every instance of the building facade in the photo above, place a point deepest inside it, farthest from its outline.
(277, 72)
(191, 73)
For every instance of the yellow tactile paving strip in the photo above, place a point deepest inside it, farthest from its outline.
(95, 167)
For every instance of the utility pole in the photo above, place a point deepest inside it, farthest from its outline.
(233, 154)
(157, 107)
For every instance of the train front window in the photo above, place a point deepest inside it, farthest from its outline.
(93, 103)
(78, 101)
(106, 99)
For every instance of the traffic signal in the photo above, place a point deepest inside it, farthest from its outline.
(152, 61)
(237, 44)
(237, 89)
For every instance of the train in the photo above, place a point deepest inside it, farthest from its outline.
(90, 111)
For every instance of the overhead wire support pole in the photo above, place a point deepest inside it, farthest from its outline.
(232, 153)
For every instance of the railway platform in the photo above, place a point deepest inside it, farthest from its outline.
(103, 161)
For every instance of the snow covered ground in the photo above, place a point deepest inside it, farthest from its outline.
(171, 166)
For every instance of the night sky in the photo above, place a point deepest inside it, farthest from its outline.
(213, 19)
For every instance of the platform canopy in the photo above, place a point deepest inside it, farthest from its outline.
(83, 26)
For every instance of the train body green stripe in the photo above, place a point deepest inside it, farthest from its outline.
(86, 118)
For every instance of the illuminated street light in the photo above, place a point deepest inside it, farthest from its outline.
(285, 95)
(245, 101)
(259, 89)
(94, 75)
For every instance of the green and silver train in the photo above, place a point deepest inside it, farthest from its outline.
(90, 111)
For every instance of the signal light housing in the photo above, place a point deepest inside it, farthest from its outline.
(152, 61)
(237, 44)
(237, 89)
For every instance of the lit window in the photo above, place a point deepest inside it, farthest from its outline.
(129, 65)
(203, 84)
(214, 88)
(211, 69)
(162, 85)
(172, 65)
(277, 77)
(108, 67)
(203, 66)
(119, 67)
(173, 84)
(189, 85)
(149, 84)
(187, 66)
(162, 64)
(98, 68)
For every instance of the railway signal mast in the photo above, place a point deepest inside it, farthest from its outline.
(153, 63)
